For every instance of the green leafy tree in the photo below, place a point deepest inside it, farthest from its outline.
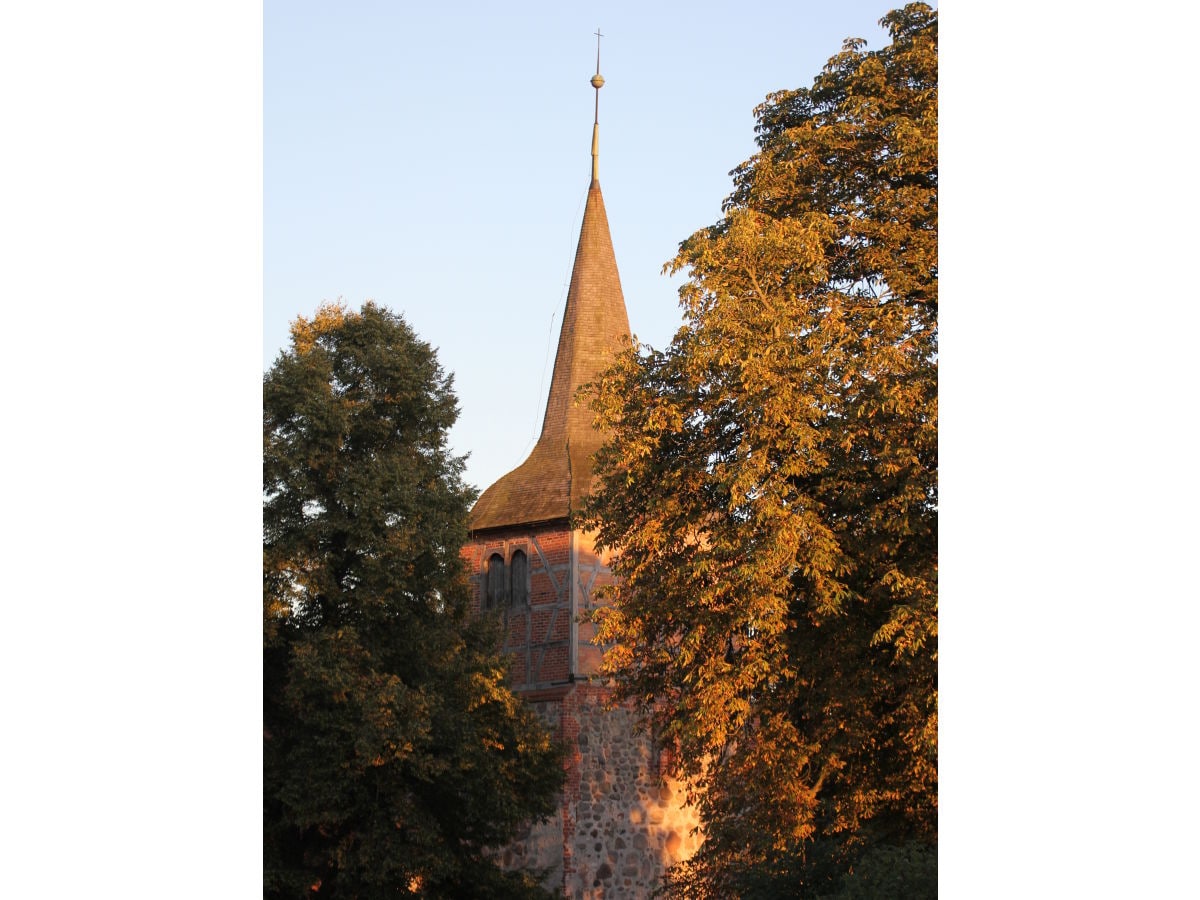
(771, 488)
(394, 754)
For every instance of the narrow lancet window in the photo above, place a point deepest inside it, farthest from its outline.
(519, 578)
(494, 589)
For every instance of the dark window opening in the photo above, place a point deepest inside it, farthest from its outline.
(493, 597)
(519, 578)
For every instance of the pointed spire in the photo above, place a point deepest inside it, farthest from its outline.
(557, 475)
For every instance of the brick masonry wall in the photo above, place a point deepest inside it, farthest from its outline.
(537, 634)
(592, 574)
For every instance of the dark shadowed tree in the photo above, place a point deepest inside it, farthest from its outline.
(394, 754)
(771, 491)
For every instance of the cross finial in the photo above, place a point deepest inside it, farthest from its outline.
(598, 79)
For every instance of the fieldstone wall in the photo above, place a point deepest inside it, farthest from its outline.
(631, 822)
(622, 821)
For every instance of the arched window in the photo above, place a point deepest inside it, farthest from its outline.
(493, 597)
(519, 578)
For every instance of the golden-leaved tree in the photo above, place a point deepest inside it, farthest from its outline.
(771, 491)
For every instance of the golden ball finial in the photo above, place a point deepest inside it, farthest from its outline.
(597, 81)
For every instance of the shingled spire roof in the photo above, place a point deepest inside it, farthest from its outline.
(558, 473)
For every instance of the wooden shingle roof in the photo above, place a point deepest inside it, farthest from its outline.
(558, 473)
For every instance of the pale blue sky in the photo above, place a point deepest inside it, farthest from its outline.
(434, 158)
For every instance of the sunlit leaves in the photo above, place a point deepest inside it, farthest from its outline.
(771, 488)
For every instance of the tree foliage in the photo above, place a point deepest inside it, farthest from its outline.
(394, 754)
(771, 488)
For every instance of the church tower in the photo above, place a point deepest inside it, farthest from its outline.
(620, 822)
